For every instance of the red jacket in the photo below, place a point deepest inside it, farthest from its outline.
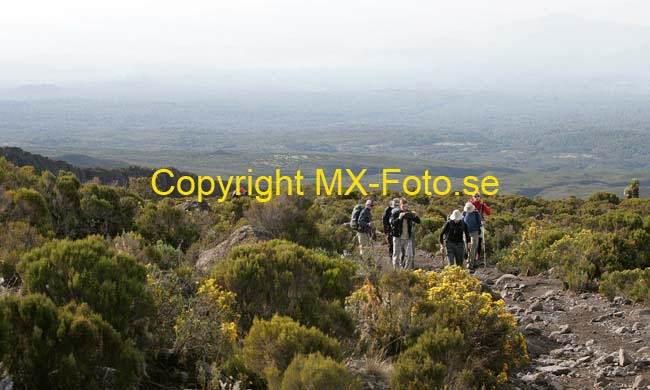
(481, 207)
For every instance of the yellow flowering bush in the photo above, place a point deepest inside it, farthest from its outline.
(448, 331)
(206, 330)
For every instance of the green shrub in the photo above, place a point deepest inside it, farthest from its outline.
(383, 312)
(65, 348)
(284, 278)
(16, 239)
(271, 345)
(316, 371)
(63, 196)
(288, 218)
(430, 225)
(107, 210)
(4, 331)
(87, 271)
(633, 284)
(434, 362)
(607, 197)
(164, 255)
(30, 206)
(164, 222)
(526, 254)
(429, 243)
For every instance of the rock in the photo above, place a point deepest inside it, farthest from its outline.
(643, 351)
(583, 359)
(518, 296)
(564, 329)
(637, 326)
(485, 288)
(531, 330)
(589, 343)
(555, 370)
(622, 330)
(536, 306)
(601, 318)
(640, 313)
(619, 314)
(6, 384)
(505, 278)
(620, 301)
(640, 382)
(624, 358)
(549, 293)
(244, 235)
(558, 352)
(605, 360)
(601, 381)
(194, 205)
(538, 378)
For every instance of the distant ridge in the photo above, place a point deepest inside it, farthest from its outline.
(111, 176)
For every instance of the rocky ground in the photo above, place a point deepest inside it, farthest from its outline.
(574, 341)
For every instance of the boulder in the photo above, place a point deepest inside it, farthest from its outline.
(624, 358)
(505, 278)
(194, 205)
(555, 370)
(244, 235)
(536, 306)
(641, 382)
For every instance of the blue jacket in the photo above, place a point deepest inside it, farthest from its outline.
(473, 221)
(364, 220)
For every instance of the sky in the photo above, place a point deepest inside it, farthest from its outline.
(312, 44)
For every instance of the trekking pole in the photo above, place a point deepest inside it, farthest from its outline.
(484, 246)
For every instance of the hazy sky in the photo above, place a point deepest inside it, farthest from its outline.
(379, 43)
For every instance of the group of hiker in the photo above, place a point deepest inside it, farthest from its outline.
(463, 233)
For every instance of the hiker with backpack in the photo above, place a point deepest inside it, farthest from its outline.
(483, 209)
(386, 224)
(361, 222)
(451, 238)
(474, 222)
(634, 188)
(402, 222)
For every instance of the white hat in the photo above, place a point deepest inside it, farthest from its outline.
(469, 207)
(370, 202)
(456, 215)
(394, 202)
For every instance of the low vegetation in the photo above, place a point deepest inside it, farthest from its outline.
(100, 289)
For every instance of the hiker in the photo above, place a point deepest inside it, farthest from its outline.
(634, 188)
(365, 230)
(483, 210)
(473, 221)
(402, 222)
(451, 238)
(386, 222)
(627, 193)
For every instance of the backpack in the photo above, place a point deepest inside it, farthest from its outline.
(354, 219)
(455, 229)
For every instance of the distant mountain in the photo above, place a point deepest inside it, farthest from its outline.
(83, 161)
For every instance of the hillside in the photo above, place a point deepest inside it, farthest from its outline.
(103, 286)
(114, 176)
